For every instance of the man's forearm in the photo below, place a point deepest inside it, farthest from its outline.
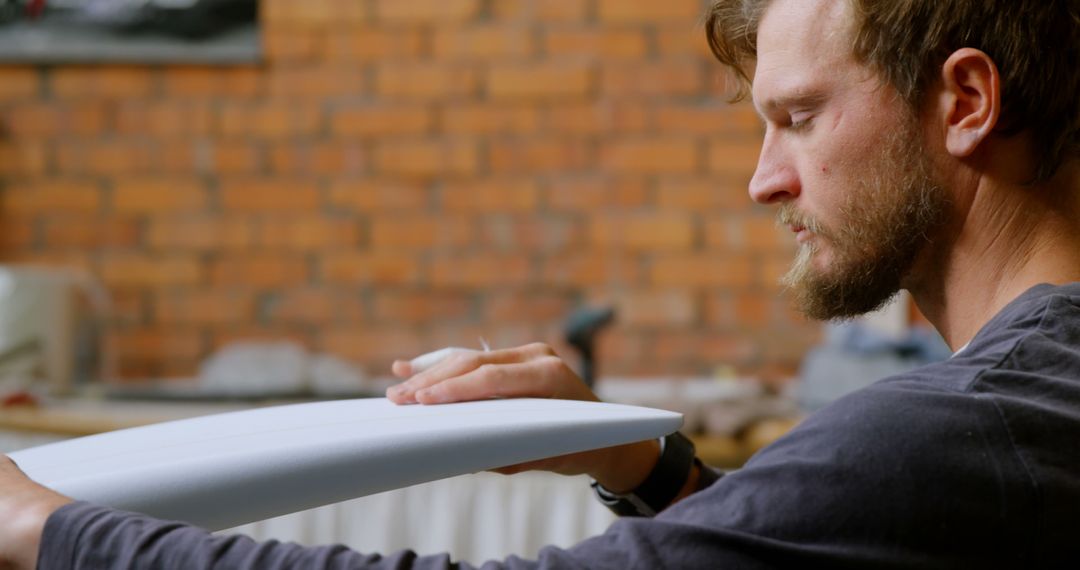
(25, 506)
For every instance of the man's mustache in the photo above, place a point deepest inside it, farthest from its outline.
(789, 216)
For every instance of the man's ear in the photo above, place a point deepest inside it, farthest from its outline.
(970, 100)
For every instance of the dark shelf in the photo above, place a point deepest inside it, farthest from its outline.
(54, 43)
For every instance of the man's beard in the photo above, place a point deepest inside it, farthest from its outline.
(887, 219)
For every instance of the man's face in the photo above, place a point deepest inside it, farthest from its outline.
(844, 158)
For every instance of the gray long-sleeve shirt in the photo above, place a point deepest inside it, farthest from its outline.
(974, 462)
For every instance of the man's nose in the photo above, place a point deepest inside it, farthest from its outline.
(776, 179)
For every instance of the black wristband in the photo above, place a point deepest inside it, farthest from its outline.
(661, 486)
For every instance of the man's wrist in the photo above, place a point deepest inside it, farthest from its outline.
(628, 466)
(667, 482)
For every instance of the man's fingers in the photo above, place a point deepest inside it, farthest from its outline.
(530, 379)
(453, 366)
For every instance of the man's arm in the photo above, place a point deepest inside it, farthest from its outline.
(24, 508)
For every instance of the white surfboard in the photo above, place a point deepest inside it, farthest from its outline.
(229, 469)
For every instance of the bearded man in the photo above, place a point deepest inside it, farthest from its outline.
(929, 145)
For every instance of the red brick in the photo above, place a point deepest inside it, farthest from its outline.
(531, 233)
(70, 260)
(165, 119)
(493, 195)
(488, 119)
(772, 269)
(151, 344)
(497, 335)
(624, 351)
(258, 270)
(316, 307)
(378, 345)
(114, 82)
(55, 119)
(699, 270)
(591, 268)
(542, 156)
(370, 195)
(597, 43)
(711, 119)
(308, 233)
(539, 81)
(481, 270)
(735, 159)
(370, 269)
(741, 311)
(650, 12)
(206, 307)
(106, 157)
(291, 44)
(93, 233)
(562, 11)
(260, 195)
(19, 83)
(157, 196)
(313, 13)
(421, 306)
(426, 157)
(720, 233)
(315, 83)
(643, 232)
(426, 81)
(782, 356)
(46, 197)
(23, 158)
(17, 233)
(599, 118)
(128, 307)
(200, 233)
(651, 156)
(656, 308)
(679, 40)
(375, 45)
(381, 120)
(180, 158)
(754, 310)
(597, 194)
(319, 158)
(436, 12)
(701, 346)
(222, 336)
(132, 270)
(527, 306)
(213, 82)
(270, 120)
(426, 232)
(667, 79)
(757, 234)
(484, 43)
(702, 195)
(237, 157)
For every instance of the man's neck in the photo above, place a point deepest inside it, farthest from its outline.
(1008, 238)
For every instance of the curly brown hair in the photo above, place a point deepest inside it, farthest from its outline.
(1034, 43)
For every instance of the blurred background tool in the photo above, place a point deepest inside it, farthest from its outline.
(581, 331)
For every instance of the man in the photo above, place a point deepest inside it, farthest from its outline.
(921, 144)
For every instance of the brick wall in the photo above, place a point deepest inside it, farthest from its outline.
(400, 175)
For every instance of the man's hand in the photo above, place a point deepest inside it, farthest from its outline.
(24, 508)
(531, 371)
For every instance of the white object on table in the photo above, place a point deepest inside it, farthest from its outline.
(229, 469)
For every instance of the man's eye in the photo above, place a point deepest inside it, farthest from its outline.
(800, 123)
